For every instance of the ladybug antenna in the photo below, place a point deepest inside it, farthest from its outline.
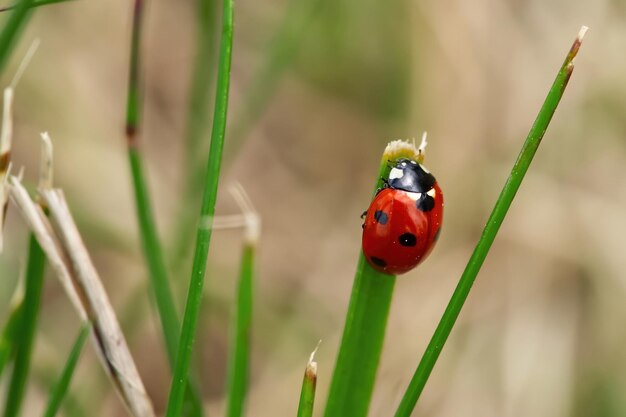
(421, 151)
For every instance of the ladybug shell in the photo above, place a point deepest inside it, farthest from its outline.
(400, 230)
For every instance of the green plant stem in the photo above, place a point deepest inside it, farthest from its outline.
(147, 227)
(307, 394)
(154, 257)
(203, 237)
(9, 333)
(152, 249)
(12, 29)
(60, 389)
(355, 370)
(500, 209)
(361, 345)
(33, 4)
(28, 324)
(240, 340)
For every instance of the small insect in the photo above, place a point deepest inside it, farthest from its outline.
(403, 222)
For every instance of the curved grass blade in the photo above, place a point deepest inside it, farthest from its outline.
(366, 320)
(153, 253)
(500, 209)
(58, 392)
(12, 29)
(34, 4)
(309, 382)
(207, 211)
(25, 338)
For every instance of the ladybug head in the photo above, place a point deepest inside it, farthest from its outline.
(408, 175)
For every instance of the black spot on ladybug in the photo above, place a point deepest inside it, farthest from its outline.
(378, 262)
(436, 237)
(425, 203)
(407, 239)
(381, 217)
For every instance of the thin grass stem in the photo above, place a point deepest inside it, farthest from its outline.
(58, 392)
(366, 320)
(203, 237)
(239, 357)
(24, 339)
(494, 222)
(152, 249)
(307, 393)
(149, 239)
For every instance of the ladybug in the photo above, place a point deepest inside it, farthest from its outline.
(403, 222)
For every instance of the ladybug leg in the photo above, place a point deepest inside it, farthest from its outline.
(363, 216)
(385, 185)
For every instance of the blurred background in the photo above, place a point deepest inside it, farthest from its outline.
(318, 89)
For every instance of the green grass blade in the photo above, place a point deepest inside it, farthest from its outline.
(34, 4)
(25, 338)
(239, 357)
(148, 233)
(12, 28)
(152, 250)
(154, 259)
(9, 333)
(366, 320)
(500, 209)
(60, 389)
(307, 394)
(203, 237)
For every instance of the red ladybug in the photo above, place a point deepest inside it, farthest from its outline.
(403, 222)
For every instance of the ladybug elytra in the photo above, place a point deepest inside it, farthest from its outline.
(403, 222)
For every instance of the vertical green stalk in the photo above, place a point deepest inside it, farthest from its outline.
(500, 209)
(60, 389)
(25, 338)
(153, 252)
(355, 370)
(9, 334)
(307, 394)
(12, 28)
(238, 368)
(149, 239)
(203, 237)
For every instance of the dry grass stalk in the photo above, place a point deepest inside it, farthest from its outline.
(41, 228)
(66, 252)
(109, 336)
(5, 156)
(6, 135)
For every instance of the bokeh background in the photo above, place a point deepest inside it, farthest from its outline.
(318, 89)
